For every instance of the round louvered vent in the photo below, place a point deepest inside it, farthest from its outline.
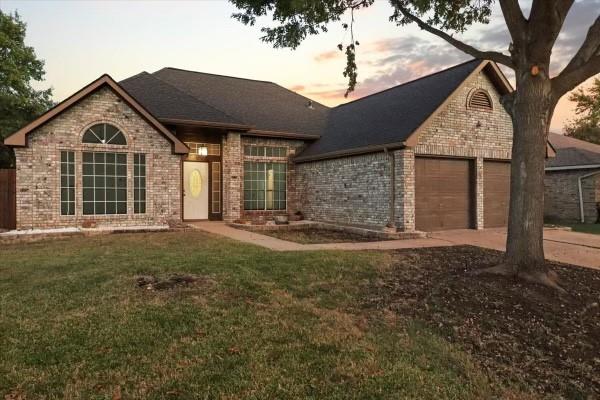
(480, 100)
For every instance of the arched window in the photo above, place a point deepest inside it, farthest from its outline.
(104, 134)
(480, 100)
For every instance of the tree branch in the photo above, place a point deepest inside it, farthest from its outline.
(584, 63)
(569, 80)
(487, 55)
(515, 21)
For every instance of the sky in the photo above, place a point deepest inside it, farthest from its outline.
(81, 40)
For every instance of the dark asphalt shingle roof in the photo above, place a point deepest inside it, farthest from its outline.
(389, 116)
(572, 152)
(166, 101)
(262, 105)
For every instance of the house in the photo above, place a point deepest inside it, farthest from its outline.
(177, 145)
(572, 181)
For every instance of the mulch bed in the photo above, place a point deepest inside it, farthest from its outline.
(317, 235)
(522, 334)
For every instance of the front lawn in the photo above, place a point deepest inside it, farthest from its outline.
(586, 228)
(75, 323)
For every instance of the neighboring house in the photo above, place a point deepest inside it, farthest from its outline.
(572, 181)
(180, 145)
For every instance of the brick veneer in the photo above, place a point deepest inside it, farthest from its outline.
(561, 203)
(38, 166)
(356, 189)
(233, 174)
(351, 190)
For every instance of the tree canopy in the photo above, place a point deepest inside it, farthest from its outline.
(531, 105)
(586, 126)
(19, 101)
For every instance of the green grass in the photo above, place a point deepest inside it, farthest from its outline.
(586, 228)
(73, 325)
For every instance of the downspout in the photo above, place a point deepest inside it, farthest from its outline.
(392, 221)
(582, 177)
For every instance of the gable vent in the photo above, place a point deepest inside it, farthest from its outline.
(480, 100)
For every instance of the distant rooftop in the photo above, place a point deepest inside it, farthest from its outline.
(572, 152)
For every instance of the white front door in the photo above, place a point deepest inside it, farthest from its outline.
(195, 190)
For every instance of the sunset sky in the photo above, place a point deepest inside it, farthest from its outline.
(79, 41)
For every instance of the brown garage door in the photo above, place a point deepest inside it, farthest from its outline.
(443, 194)
(496, 193)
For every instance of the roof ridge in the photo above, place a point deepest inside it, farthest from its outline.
(301, 95)
(409, 82)
(197, 99)
(136, 75)
(213, 74)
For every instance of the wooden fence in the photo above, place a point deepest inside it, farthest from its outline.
(8, 199)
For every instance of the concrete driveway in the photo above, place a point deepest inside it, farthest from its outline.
(559, 245)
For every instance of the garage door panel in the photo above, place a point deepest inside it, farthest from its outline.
(496, 193)
(443, 193)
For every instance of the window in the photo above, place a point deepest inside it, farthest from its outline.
(216, 187)
(139, 183)
(265, 151)
(480, 100)
(104, 134)
(264, 186)
(67, 183)
(203, 149)
(104, 183)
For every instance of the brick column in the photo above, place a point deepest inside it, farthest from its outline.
(479, 193)
(405, 189)
(232, 176)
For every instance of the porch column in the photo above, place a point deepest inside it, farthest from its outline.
(405, 189)
(479, 193)
(232, 176)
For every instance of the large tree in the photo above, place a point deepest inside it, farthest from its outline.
(586, 125)
(19, 101)
(530, 106)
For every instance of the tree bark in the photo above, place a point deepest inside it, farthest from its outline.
(531, 110)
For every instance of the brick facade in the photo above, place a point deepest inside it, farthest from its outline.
(355, 190)
(233, 175)
(561, 202)
(352, 190)
(38, 166)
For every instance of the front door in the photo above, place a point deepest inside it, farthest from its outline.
(195, 190)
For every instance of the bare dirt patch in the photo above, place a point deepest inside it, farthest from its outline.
(522, 334)
(318, 235)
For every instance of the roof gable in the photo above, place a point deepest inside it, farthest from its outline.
(19, 138)
(395, 117)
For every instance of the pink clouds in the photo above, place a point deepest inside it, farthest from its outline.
(327, 55)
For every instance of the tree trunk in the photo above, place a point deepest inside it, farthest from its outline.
(531, 111)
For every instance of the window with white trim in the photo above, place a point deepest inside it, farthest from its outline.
(104, 134)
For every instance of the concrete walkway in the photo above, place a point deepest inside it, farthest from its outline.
(563, 246)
